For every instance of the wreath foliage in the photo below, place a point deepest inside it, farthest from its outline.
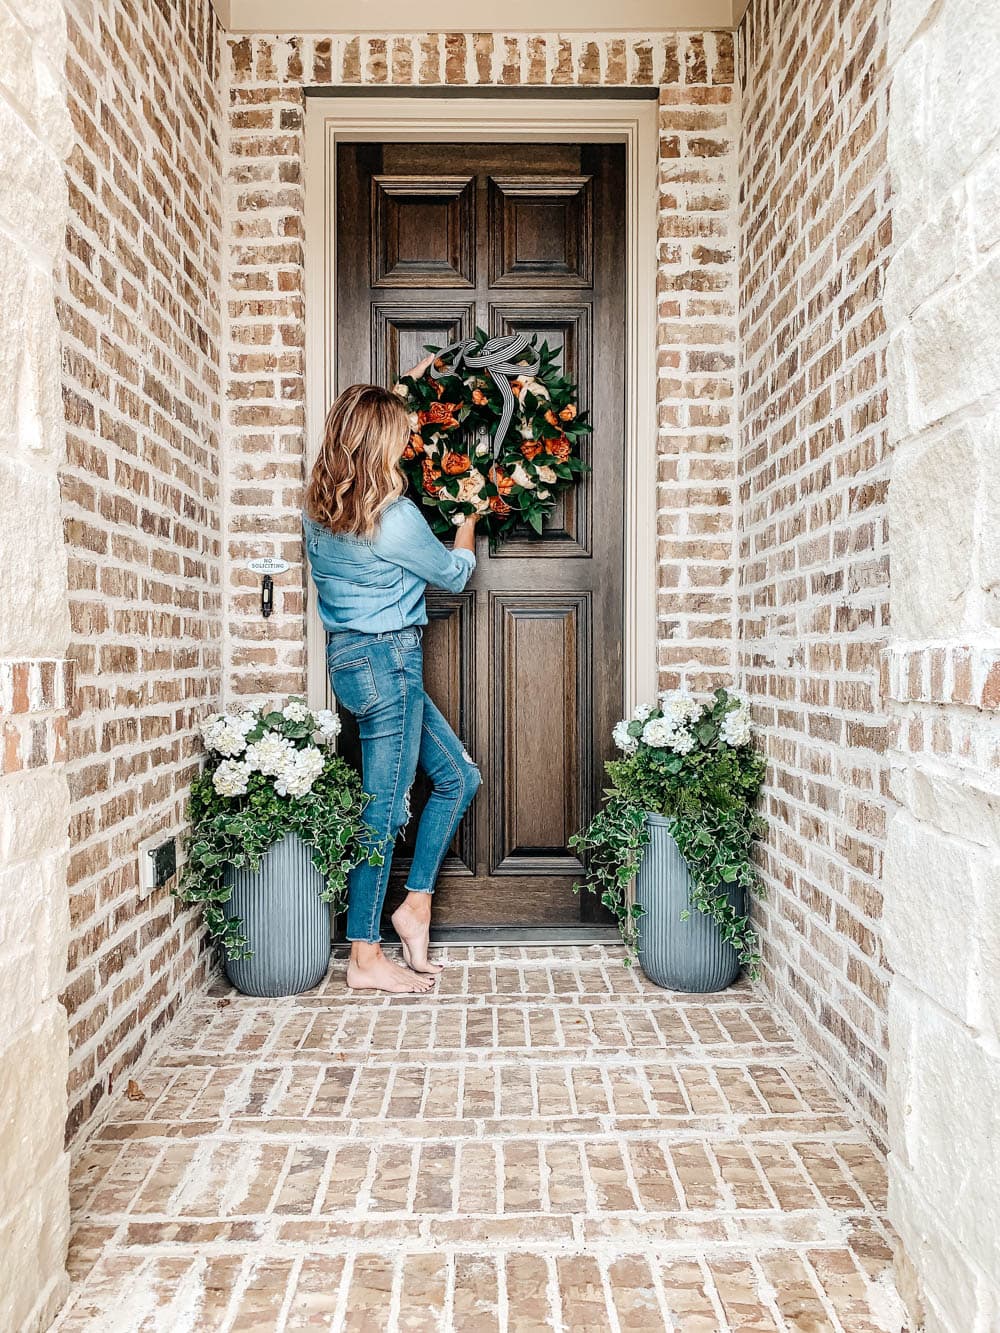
(454, 463)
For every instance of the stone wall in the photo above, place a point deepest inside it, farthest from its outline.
(34, 677)
(141, 501)
(942, 873)
(696, 354)
(813, 547)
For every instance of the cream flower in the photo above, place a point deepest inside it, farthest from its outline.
(295, 711)
(626, 743)
(521, 477)
(547, 474)
(231, 778)
(270, 754)
(400, 390)
(470, 486)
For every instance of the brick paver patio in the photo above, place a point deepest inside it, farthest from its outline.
(550, 1143)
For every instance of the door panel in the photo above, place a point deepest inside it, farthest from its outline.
(526, 663)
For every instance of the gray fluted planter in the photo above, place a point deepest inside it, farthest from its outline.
(679, 955)
(286, 923)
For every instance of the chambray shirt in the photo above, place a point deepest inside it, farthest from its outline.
(377, 583)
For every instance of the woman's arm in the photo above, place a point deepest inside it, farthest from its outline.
(405, 538)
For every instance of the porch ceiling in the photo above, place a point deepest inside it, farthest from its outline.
(302, 16)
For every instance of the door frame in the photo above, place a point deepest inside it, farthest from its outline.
(497, 119)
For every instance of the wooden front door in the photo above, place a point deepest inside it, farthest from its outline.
(526, 663)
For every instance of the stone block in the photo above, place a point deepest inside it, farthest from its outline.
(961, 802)
(34, 614)
(32, 186)
(954, 1294)
(988, 524)
(984, 200)
(955, 346)
(905, 19)
(34, 935)
(33, 1103)
(926, 261)
(948, 1128)
(17, 74)
(962, 105)
(34, 815)
(34, 1238)
(941, 920)
(909, 138)
(932, 504)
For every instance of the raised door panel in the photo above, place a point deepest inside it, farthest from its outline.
(449, 655)
(540, 645)
(568, 531)
(423, 231)
(399, 334)
(541, 231)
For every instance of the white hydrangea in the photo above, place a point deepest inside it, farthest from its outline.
(642, 711)
(270, 754)
(328, 723)
(735, 729)
(658, 732)
(296, 711)
(226, 734)
(680, 706)
(231, 778)
(299, 772)
(626, 743)
(682, 741)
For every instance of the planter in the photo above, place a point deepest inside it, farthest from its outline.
(285, 920)
(679, 955)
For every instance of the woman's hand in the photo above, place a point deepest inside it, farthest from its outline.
(419, 369)
(465, 535)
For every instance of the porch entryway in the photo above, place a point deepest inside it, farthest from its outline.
(550, 1143)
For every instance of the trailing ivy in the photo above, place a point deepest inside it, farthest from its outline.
(707, 787)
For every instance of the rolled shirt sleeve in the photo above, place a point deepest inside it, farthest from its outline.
(405, 538)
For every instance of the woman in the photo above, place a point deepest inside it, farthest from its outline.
(372, 554)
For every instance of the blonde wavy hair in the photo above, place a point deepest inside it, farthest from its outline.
(356, 474)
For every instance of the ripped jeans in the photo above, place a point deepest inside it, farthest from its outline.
(380, 679)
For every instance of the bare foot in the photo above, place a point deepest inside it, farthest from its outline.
(381, 973)
(412, 923)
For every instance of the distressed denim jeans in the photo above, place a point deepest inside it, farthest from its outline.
(380, 679)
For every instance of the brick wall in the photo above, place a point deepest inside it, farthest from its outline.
(696, 301)
(942, 868)
(813, 552)
(35, 680)
(141, 495)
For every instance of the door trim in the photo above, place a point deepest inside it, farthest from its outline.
(600, 119)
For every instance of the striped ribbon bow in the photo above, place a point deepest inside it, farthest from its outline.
(497, 356)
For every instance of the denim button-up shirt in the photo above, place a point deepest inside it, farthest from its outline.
(377, 583)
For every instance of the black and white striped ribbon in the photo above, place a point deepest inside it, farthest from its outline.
(496, 356)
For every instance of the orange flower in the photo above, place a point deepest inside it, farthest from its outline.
(479, 398)
(551, 418)
(530, 449)
(454, 463)
(442, 414)
(501, 480)
(415, 446)
(498, 505)
(559, 449)
(568, 412)
(431, 475)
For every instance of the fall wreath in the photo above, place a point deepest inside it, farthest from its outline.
(495, 430)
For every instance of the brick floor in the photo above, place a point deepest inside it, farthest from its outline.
(550, 1143)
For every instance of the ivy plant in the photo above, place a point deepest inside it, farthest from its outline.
(694, 764)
